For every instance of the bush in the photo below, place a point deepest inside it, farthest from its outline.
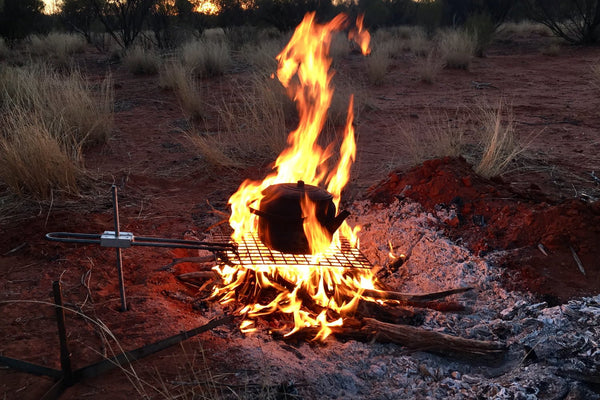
(457, 48)
(19, 18)
(576, 21)
(482, 27)
(141, 61)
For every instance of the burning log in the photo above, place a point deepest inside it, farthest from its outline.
(197, 275)
(405, 297)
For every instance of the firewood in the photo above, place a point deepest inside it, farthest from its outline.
(422, 339)
(412, 337)
(406, 297)
(197, 275)
(395, 315)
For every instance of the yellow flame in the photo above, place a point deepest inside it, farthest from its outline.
(304, 70)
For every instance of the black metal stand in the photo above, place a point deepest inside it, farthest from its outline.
(66, 377)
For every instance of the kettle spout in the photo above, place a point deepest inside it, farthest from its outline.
(335, 223)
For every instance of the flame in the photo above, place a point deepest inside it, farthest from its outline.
(304, 70)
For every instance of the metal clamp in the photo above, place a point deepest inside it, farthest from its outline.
(110, 239)
(123, 240)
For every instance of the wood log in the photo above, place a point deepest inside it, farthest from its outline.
(197, 275)
(414, 338)
(405, 297)
(396, 315)
(417, 338)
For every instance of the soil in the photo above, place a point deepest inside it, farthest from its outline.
(532, 222)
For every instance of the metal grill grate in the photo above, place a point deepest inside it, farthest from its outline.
(251, 251)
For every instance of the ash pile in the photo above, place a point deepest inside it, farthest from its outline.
(552, 351)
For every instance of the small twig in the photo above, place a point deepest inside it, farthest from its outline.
(577, 260)
(221, 222)
(19, 247)
(200, 260)
(482, 85)
(50, 208)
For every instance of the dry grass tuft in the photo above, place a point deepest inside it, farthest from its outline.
(4, 50)
(47, 120)
(498, 140)
(58, 46)
(175, 76)
(552, 49)
(429, 67)
(523, 29)
(457, 48)
(490, 147)
(340, 46)
(418, 43)
(33, 160)
(595, 71)
(206, 57)
(141, 61)
(253, 127)
(262, 55)
(377, 64)
(443, 137)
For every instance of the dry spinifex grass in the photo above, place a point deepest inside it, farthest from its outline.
(206, 57)
(252, 126)
(47, 119)
(142, 61)
(457, 47)
(175, 76)
(498, 141)
(490, 146)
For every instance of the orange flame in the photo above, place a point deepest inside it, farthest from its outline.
(304, 70)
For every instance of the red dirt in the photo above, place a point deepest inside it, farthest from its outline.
(164, 187)
(490, 215)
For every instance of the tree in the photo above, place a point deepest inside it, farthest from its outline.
(19, 18)
(123, 19)
(576, 21)
(78, 16)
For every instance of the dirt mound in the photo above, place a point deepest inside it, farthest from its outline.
(551, 249)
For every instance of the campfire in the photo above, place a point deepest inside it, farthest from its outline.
(300, 259)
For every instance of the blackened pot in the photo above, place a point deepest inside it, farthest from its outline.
(280, 220)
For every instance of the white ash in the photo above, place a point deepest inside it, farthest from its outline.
(553, 351)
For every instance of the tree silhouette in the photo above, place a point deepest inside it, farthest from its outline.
(18, 18)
